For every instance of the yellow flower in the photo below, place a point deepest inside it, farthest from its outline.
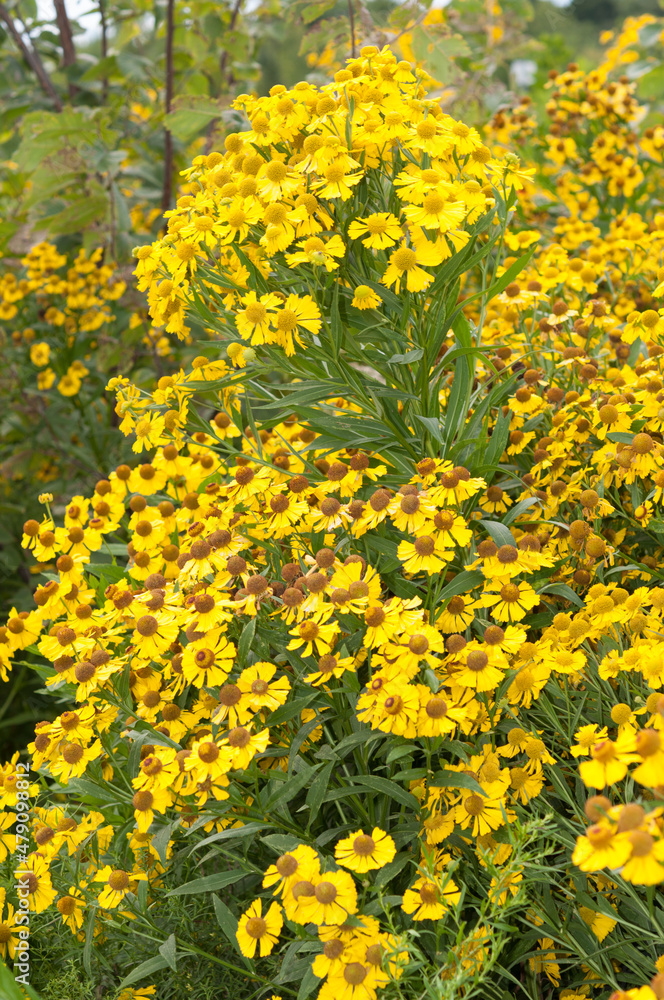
(362, 852)
(69, 384)
(45, 379)
(364, 297)
(40, 354)
(406, 262)
(381, 230)
(255, 930)
(117, 884)
(430, 898)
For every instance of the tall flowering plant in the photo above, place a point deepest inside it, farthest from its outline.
(387, 634)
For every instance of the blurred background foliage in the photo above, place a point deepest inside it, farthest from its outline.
(102, 104)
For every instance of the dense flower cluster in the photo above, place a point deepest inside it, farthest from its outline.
(374, 658)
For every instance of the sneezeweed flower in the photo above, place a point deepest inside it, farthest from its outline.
(430, 898)
(364, 297)
(9, 929)
(511, 602)
(117, 883)
(380, 230)
(405, 263)
(33, 882)
(361, 852)
(300, 864)
(328, 898)
(72, 907)
(257, 931)
(40, 354)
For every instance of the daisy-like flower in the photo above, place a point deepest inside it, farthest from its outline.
(260, 690)
(364, 297)
(33, 882)
(481, 814)
(73, 759)
(117, 883)
(321, 253)
(440, 210)
(334, 898)
(458, 614)
(430, 898)
(300, 864)
(8, 928)
(208, 661)
(154, 634)
(257, 931)
(646, 862)
(146, 803)
(314, 637)
(244, 745)
(71, 907)
(253, 321)
(380, 230)
(362, 852)
(608, 762)
(478, 672)
(439, 715)
(425, 555)
(406, 263)
(299, 313)
(648, 746)
(511, 602)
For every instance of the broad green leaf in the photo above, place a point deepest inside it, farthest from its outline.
(209, 883)
(456, 779)
(384, 786)
(144, 969)
(168, 950)
(499, 533)
(186, 122)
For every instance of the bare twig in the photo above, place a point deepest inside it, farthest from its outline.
(32, 58)
(66, 40)
(168, 138)
(104, 45)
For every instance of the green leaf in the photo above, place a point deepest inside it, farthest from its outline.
(292, 787)
(246, 639)
(316, 794)
(209, 883)
(651, 85)
(456, 779)
(390, 871)
(511, 273)
(462, 583)
(498, 440)
(281, 842)
(10, 990)
(562, 590)
(433, 426)
(500, 533)
(161, 840)
(186, 122)
(384, 786)
(144, 969)
(168, 950)
(308, 985)
(228, 924)
(77, 216)
(519, 508)
(406, 359)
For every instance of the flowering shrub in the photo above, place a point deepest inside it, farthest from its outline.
(373, 705)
